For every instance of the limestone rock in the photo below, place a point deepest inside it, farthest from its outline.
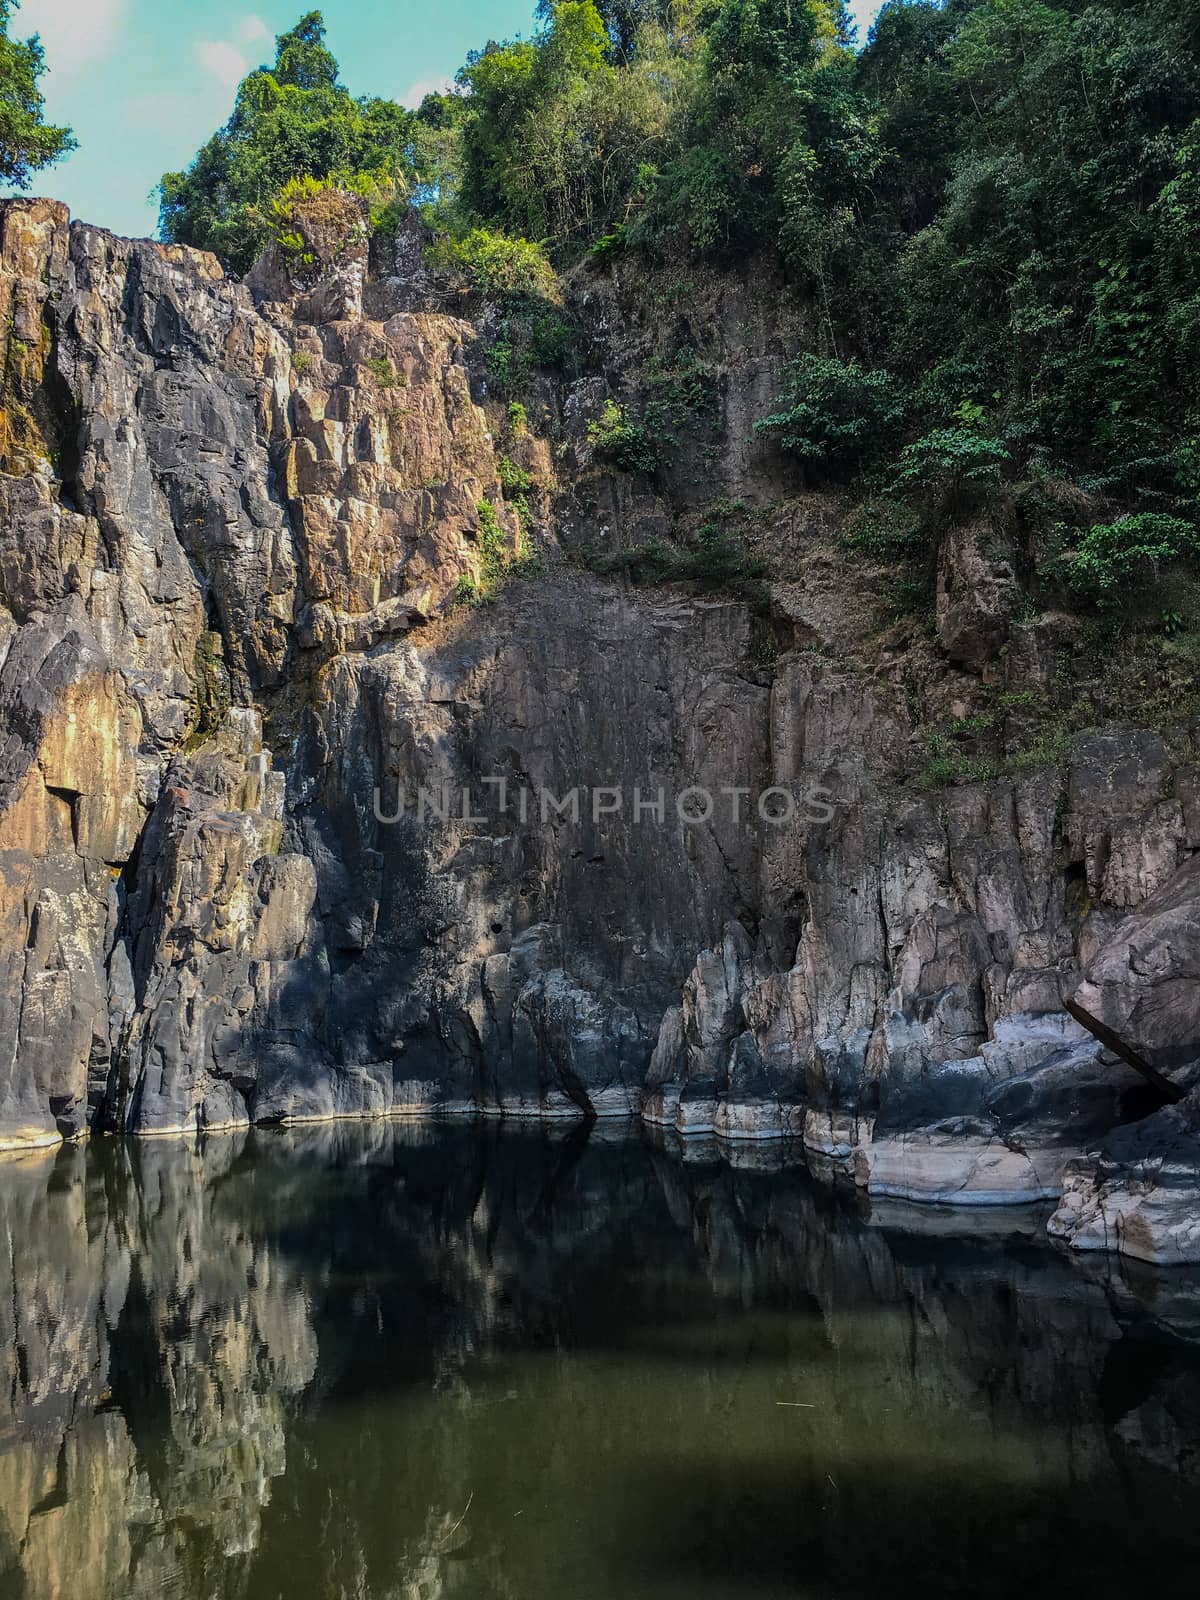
(1140, 1193)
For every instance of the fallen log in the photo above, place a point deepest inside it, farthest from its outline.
(1117, 1045)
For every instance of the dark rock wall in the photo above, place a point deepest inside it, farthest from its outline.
(233, 523)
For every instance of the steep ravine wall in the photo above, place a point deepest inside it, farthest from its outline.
(235, 519)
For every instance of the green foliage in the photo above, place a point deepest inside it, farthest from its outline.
(883, 527)
(680, 389)
(1043, 267)
(718, 560)
(291, 121)
(1020, 733)
(943, 770)
(496, 265)
(609, 245)
(834, 415)
(513, 479)
(950, 457)
(1116, 558)
(700, 199)
(383, 372)
(778, 149)
(516, 483)
(498, 560)
(557, 137)
(1048, 749)
(532, 335)
(624, 21)
(27, 143)
(553, 340)
(493, 546)
(616, 435)
(301, 362)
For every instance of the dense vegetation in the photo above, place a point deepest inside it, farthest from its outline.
(290, 122)
(27, 142)
(993, 207)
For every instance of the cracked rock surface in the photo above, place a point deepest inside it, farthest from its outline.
(234, 523)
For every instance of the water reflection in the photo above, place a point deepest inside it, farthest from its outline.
(389, 1362)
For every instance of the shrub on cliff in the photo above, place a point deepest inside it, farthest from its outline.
(622, 439)
(316, 223)
(1114, 559)
(717, 561)
(496, 265)
(949, 458)
(835, 415)
(502, 555)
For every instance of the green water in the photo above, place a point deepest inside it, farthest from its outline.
(382, 1363)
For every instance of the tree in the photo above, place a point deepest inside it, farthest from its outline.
(622, 21)
(833, 415)
(845, 29)
(1114, 559)
(293, 120)
(556, 137)
(26, 142)
(301, 58)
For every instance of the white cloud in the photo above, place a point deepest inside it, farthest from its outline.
(417, 91)
(228, 61)
(251, 29)
(224, 60)
(75, 33)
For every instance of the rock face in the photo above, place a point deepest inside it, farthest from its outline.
(229, 515)
(1144, 983)
(287, 833)
(1139, 1193)
(918, 1037)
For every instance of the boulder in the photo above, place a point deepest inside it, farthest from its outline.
(1144, 982)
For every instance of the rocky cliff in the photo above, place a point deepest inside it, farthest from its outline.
(244, 534)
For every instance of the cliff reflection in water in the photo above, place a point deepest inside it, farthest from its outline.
(382, 1361)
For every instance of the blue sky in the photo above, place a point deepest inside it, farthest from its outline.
(144, 82)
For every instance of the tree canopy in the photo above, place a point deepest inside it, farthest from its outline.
(27, 142)
(992, 207)
(292, 120)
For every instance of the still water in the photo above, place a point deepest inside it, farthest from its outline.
(383, 1362)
